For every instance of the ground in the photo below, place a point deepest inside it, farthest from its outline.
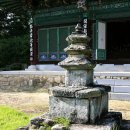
(37, 103)
(30, 103)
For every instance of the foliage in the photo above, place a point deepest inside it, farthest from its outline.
(14, 51)
(12, 24)
(10, 119)
(14, 42)
(62, 121)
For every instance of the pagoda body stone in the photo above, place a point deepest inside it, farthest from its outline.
(78, 64)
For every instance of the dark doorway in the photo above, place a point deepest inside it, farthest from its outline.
(118, 40)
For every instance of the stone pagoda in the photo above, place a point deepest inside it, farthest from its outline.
(79, 100)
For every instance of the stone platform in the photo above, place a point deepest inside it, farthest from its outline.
(79, 105)
(111, 121)
(108, 123)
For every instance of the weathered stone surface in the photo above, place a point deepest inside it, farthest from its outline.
(28, 81)
(62, 107)
(104, 103)
(33, 127)
(111, 121)
(42, 128)
(76, 63)
(23, 128)
(79, 110)
(58, 79)
(82, 108)
(112, 126)
(49, 122)
(37, 121)
(78, 78)
(80, 92)
(88, 93)
(79, 48)
(98, 107)
(64, 91)
(58, 127)
(95, 111)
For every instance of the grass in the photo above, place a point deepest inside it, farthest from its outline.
(11, 119)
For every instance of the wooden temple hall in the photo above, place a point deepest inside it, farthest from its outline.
(106, 22)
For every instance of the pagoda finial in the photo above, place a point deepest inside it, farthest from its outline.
(78, 28)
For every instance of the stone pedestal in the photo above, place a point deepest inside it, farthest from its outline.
(79, 105)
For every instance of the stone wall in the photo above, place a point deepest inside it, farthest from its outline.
(14, 81)
(112, 75)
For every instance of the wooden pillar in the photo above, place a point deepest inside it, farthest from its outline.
(33, 45)
(34, 61)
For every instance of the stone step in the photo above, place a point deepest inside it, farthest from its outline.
(112, 68)
(109, 122)
(110, 82)
(120, 89)
(92, 127)
(122, 82)
(112, 74)
(113, 82)
(125, 126)
(119, 96)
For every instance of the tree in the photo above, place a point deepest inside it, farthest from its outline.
(15, 15)
(14, 39)
(12, 24)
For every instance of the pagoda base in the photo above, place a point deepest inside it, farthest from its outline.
(79, 105)
(111, 121)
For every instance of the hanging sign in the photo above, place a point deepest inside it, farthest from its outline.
(31, 39)
(85, 21)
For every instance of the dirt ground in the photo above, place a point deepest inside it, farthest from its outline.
(37, 103)
(30, 103)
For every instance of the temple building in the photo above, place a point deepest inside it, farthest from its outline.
(106, 22)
